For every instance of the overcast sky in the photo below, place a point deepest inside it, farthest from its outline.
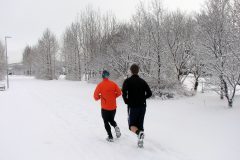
(25, 20)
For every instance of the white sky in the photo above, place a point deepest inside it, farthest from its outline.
(25, 20)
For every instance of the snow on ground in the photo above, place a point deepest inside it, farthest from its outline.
(59, 120)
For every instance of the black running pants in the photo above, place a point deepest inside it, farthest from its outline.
(108, 118)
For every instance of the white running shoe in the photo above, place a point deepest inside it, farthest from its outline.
(118, 133)
(140, 139)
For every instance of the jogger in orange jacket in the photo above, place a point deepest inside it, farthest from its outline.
(108, 91)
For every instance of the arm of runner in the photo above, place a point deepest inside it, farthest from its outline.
(118, 91)
(97, 93)
(125, 92)
(148, 91)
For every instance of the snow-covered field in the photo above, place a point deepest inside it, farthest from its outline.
(59, 120)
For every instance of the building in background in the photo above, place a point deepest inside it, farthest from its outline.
(16, 69)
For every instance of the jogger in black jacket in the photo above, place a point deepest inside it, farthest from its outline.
(135, 92)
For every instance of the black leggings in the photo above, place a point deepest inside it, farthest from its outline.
(108, 117)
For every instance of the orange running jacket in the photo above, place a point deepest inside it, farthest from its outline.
(107, 91)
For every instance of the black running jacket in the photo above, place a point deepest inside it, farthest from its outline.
(135, 91)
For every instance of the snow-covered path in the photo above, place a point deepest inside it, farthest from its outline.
(59, 120)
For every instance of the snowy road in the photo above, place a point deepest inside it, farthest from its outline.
(58, 120)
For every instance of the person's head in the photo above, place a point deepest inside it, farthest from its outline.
(105, 74)
(134, 69)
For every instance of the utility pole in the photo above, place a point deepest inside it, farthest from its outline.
(6, 37)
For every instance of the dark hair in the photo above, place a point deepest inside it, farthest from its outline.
(134, 69)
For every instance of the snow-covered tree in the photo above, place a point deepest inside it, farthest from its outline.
(149, 47)
(142, 42)
(212, 22)
(217, 33)
(148, 43)
(90, 21)
(156, 20)
(167, 46)
(119, 49)
(82, 45)
(72, 52)
(179, 39)
(235, 25)
(45, 56)
(197, 68)
(28, 60)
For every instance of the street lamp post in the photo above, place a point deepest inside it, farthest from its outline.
(6, 37)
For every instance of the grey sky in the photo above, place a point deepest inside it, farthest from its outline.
(25, 20)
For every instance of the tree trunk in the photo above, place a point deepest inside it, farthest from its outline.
(230, 103)
(159, 72)
(79, 68)
(30, 71)
(196, 85)
(222, 88)
(178, 77)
